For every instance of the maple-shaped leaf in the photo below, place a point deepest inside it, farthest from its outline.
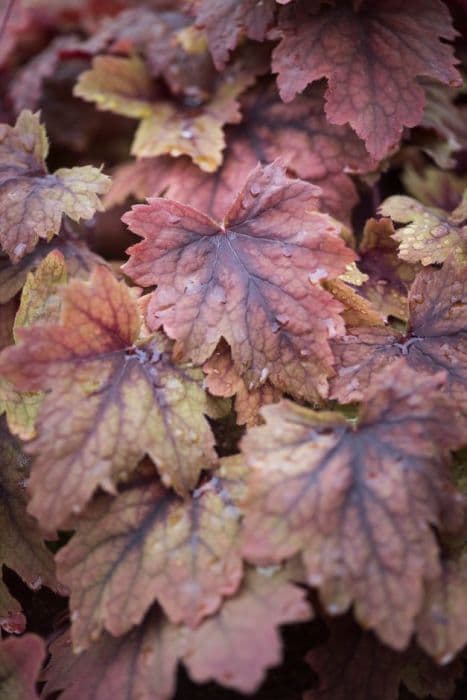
(40, 302)
(125, 86)
(147, 544)
(430, 235)
(235, 647)
(20, 663)
(435, 339)
(222, 379)
(104, 391)
(225, 21)
(358, 501)
(142, 664)
(298, 133)
(238, 645)
(21, 546)
(353, 664)
(252, 280)
(371, 55)
(389, 277)
(33, 201)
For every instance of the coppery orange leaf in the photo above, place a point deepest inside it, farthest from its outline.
(105, 389)
(359, 501)
(253, 280)
(147, 544)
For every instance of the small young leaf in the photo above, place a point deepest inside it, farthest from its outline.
(32, 201)
(431, 234)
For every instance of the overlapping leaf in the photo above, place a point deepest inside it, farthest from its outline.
(21, 546)
(374, 89)
(430, 235)
(225, 21)
(353, 664)
(32, 201)
(20, 663)
(40, 302)
(104, 391)
(222, 379)
(147, 544)
(435, 339)
(125, 86)
(253, 280)
(80, 260)
(389, 277)
(298, 133)
(143, 662)
(358, 502)
(435, 188)
(439, 628)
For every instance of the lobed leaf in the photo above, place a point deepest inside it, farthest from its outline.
(124, 86)
(358, 502)
(431, 235)
(147, 544)
(251, 280)
(371, 55)
(104, 390)
(435, 339)
(32, 201)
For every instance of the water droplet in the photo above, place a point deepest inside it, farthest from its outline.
(440, 231)
(255, 189)
(319, 274)
(173, 219)
(19, 249)
(36, 584)
(186, 134)
(264, 375)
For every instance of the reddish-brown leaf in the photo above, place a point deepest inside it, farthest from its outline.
(371, 56)
(435, 340)
(253, 280)
(141, 664)
(299, 133)
(352, 664)
(20, 663)
(235, 646)
(33, 201)
(441, 631)
(238, 645)
(21, 545)
(147, 544)
(358, 501)
(105, 389)
(226, 21)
